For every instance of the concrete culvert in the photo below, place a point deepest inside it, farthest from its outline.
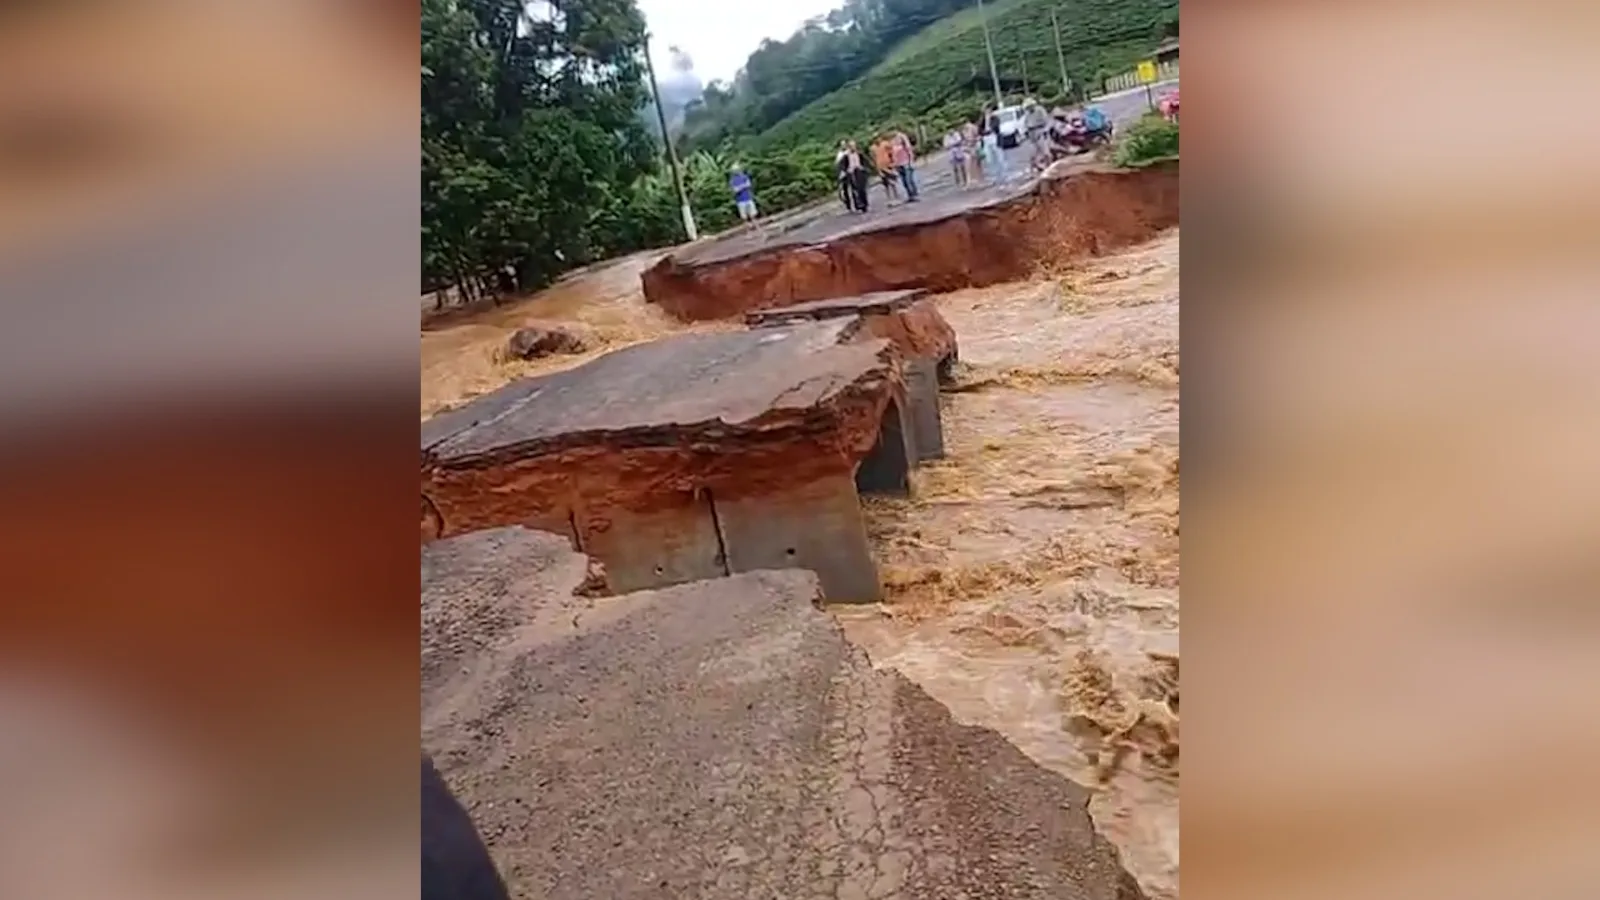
(887, 469)
(668, 424)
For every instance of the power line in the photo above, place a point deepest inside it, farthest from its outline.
(988, 50)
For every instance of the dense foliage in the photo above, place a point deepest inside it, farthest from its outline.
(530, 135)
(1151, 138)
(935, 75)
(784, 180)
(781, 77)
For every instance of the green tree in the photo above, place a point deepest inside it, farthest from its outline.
(529, 135)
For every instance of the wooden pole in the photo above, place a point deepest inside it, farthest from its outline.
(1061, 58)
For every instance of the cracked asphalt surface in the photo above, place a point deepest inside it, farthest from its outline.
(719, 740)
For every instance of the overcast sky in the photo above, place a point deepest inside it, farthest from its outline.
(720, 34)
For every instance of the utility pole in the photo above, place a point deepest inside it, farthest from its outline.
(988, 48)
(1022, 55)
(672, 153)
(1061, 58)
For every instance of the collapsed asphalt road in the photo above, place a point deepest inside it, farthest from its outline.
(718, 740)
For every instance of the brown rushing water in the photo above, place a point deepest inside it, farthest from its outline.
(1033, 579)
(462, 359)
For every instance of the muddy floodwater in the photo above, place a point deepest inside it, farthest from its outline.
(1032, 580)
(463, 355)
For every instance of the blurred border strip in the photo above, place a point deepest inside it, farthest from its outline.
(235, 217)
(209, 257)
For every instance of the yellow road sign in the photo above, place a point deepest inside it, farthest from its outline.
(1147, 71)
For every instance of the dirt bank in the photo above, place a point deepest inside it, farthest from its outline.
(1084, 213)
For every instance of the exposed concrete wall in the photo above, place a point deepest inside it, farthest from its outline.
(887, 469)
(816, 526)
(650, 514)
(674, 545)
(927, 426)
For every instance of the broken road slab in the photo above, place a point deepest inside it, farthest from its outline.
(719, 739)
(689, 457)
(971, 238)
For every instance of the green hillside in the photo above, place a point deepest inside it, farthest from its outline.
(941, 74)
(941, 31)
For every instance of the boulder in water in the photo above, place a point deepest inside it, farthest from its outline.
(538, 340)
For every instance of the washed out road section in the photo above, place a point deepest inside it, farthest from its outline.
(719, 740)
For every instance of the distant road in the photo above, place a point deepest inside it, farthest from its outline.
(1123, 108)
(934, 173)
(1128, 106)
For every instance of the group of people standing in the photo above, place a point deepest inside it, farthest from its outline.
(975, 151)
(891, 159)
(974, 148)
(892, 156)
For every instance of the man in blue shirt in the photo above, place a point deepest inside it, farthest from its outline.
(743, 194)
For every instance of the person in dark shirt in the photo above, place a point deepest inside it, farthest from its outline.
(841, 171)
(455, 863)
(853, 169)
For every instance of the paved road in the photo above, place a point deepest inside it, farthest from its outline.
(940, 197)
(719, 740)
(1123, 108)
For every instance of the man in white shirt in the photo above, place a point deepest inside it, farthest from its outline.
(958, 156)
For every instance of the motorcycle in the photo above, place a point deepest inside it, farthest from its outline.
(1073, 136)
(1076, 137)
